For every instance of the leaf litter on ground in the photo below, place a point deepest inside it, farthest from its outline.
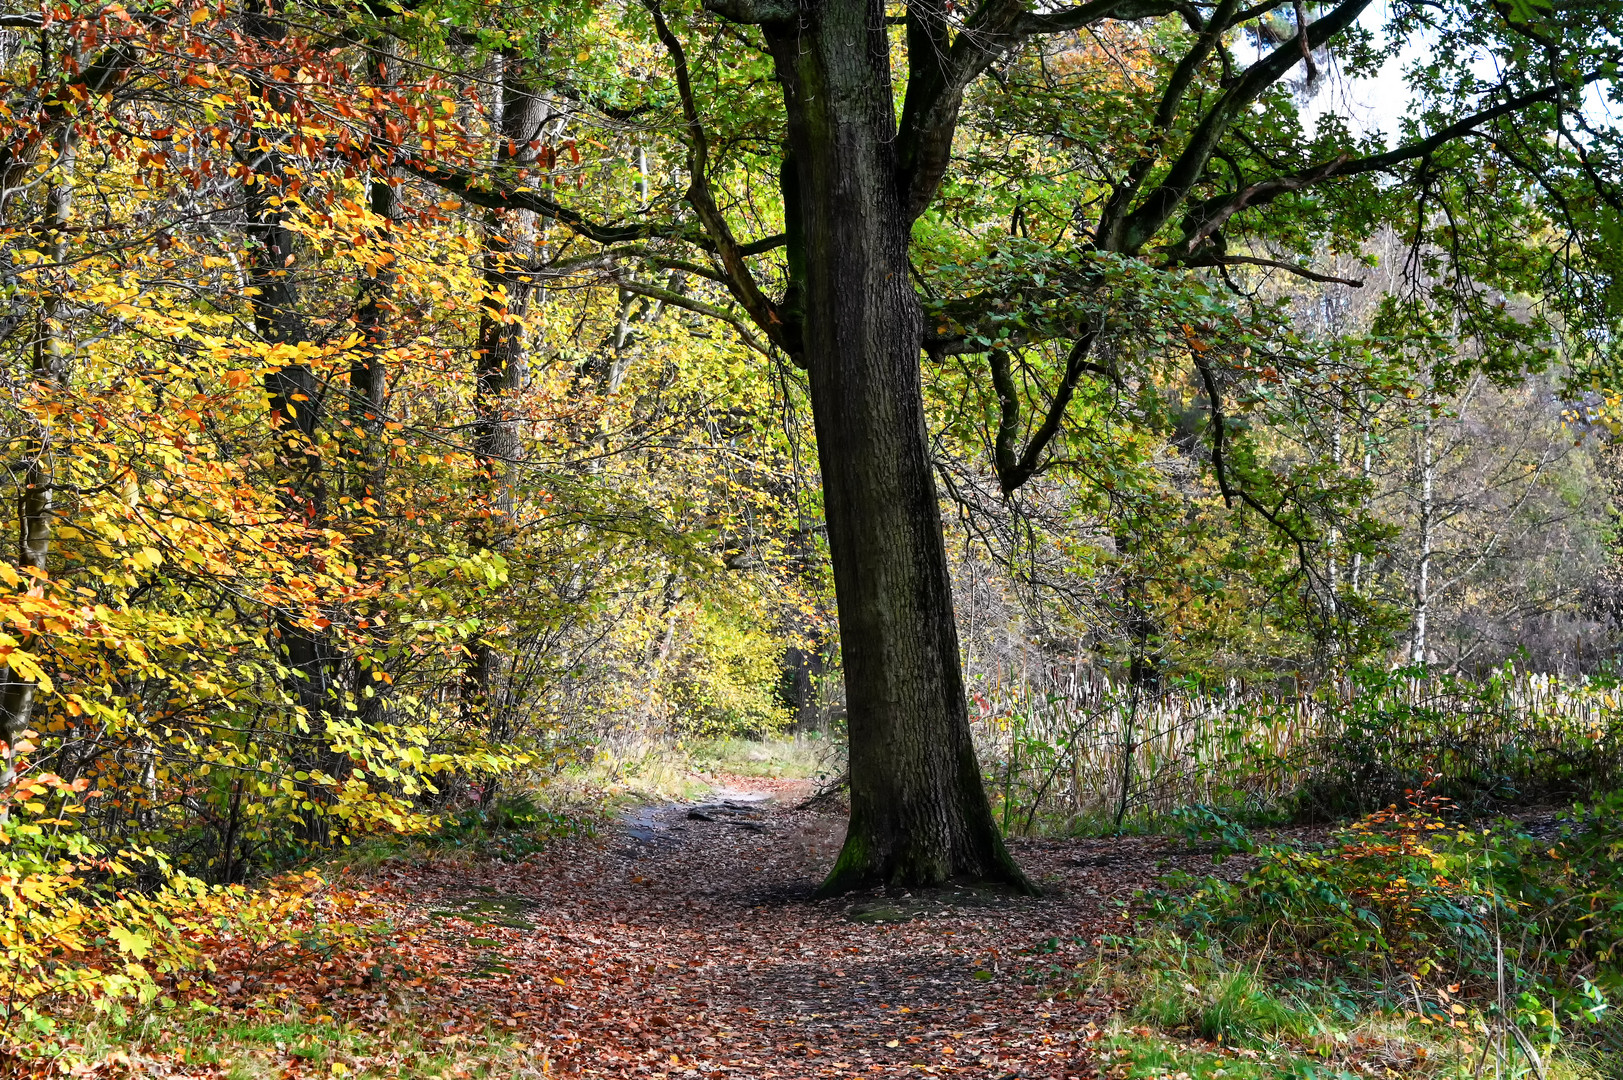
(684, 943)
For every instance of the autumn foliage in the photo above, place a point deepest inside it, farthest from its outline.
(262, 551)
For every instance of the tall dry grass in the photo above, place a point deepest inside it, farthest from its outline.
(1072, 749)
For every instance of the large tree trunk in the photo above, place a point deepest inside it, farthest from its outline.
(919, 814)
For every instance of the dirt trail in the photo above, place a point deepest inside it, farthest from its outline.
(685, 943)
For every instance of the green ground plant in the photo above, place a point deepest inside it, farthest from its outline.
(812, 756)
(1499, 941)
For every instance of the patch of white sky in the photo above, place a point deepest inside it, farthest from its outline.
(1376, 104)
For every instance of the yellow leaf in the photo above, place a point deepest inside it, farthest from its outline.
(130, 941)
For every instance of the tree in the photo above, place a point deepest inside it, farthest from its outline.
(1219, 158)
(1195, 163)
(1043, 247)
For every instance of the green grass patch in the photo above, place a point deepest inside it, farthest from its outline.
(1150, 1056)
(157, 1042)
(789, 758)
(1234, 1008)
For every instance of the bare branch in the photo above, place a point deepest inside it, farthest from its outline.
(609, 258)
(681, 300)
(1230, 491)
(1301, 271)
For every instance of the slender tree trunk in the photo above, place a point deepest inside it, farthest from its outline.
(36, 505)
(1139, 621)
(798, 681)
(1332, 552)
(919, 813)
(368, 383)
(1422, 585)
(1365, 466)
(500, 359)
(295, 404)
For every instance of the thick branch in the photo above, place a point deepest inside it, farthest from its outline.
(1095, 11)
(1076, 363)
(493, 197)
(1008, 400)
(609, 258)
(1159, 205)
(501, 198)
(941, 67)
(753, 12)
(1113, 216)
(740, 281)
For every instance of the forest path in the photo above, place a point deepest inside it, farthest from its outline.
(685, 943)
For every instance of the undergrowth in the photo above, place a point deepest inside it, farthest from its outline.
(1080, 757)
(1410, 942)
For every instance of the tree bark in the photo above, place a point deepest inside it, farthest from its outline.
(313, 659)
(509, 239)
(36, 510)
(369, 385)
(919, 813)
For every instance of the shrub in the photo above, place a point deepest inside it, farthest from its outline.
(1421, 910)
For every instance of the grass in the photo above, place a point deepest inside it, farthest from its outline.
(1195, 1021)
(1207, 1012)
(305, 1045)
(1142, 1053)
(1235, 1009)
(652, 772)
(782, 758)
(580, 799)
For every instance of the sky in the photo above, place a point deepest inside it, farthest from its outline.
(1378, 103)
